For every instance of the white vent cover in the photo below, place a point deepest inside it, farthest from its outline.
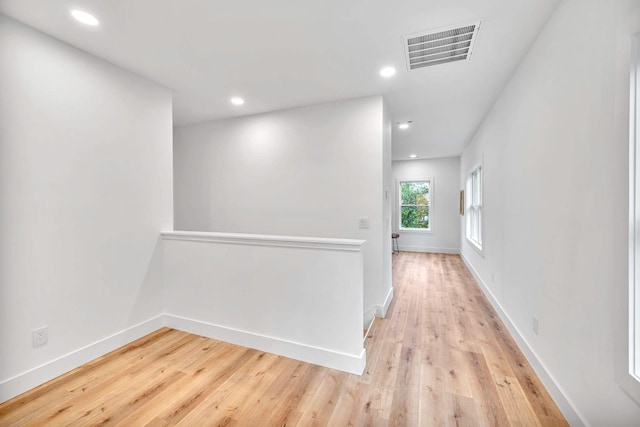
(440, 46)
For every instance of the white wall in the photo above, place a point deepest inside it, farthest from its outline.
(85, 189)
(445, 205)
(269, 292)
(555, 155)
(311, 171)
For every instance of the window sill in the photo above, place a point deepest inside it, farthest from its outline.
(631, 385)
(415, 230)
(476, 247)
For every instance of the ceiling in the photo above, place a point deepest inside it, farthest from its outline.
(287, 53)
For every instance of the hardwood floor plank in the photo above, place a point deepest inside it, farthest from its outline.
(432, 397)
(456, 380)
(292, 395)
(406, 398)
(516, 405)
(462, 412)
(352, 406)
(246, 396)
(123, 404)
(321, 399)
(441, 357)
(195, 372)
(483, 384)
(195, 393)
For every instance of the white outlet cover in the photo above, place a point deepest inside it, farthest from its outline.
(40, 336)
(363, 222)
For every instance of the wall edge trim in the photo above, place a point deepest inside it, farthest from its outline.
(349, 245)
(454, 251)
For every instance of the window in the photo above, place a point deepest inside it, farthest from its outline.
(629, 373)
(474, 207)
(415, 204)
(628, 367)
(634, 220)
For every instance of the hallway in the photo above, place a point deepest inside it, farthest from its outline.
(458, 363)
(442, 357)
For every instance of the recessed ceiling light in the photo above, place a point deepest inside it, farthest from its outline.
(236, 100)
(85, 17)
(413, 156)
(403, 126)
(387, 72)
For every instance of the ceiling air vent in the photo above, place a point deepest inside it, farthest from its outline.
(440, 46)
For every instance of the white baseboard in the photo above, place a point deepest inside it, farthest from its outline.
(381, 310)
(368, 316)
(34, 377)
(27, 380)
(353, 364)
(566, 407)
(366, 334)
(378, 310)
(404, 248)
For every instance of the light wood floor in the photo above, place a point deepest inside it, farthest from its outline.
(440, 358)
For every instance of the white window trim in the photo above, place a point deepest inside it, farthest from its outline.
(630, 381)
(399, 204)
(477, 246)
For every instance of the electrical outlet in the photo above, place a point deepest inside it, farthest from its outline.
(535, 323)
(40, 336)
(363, 222)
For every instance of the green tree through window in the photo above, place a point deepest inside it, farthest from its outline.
(414, 205)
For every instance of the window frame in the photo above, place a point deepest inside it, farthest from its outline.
(399, 205)
(630, 380)
(474, 207)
